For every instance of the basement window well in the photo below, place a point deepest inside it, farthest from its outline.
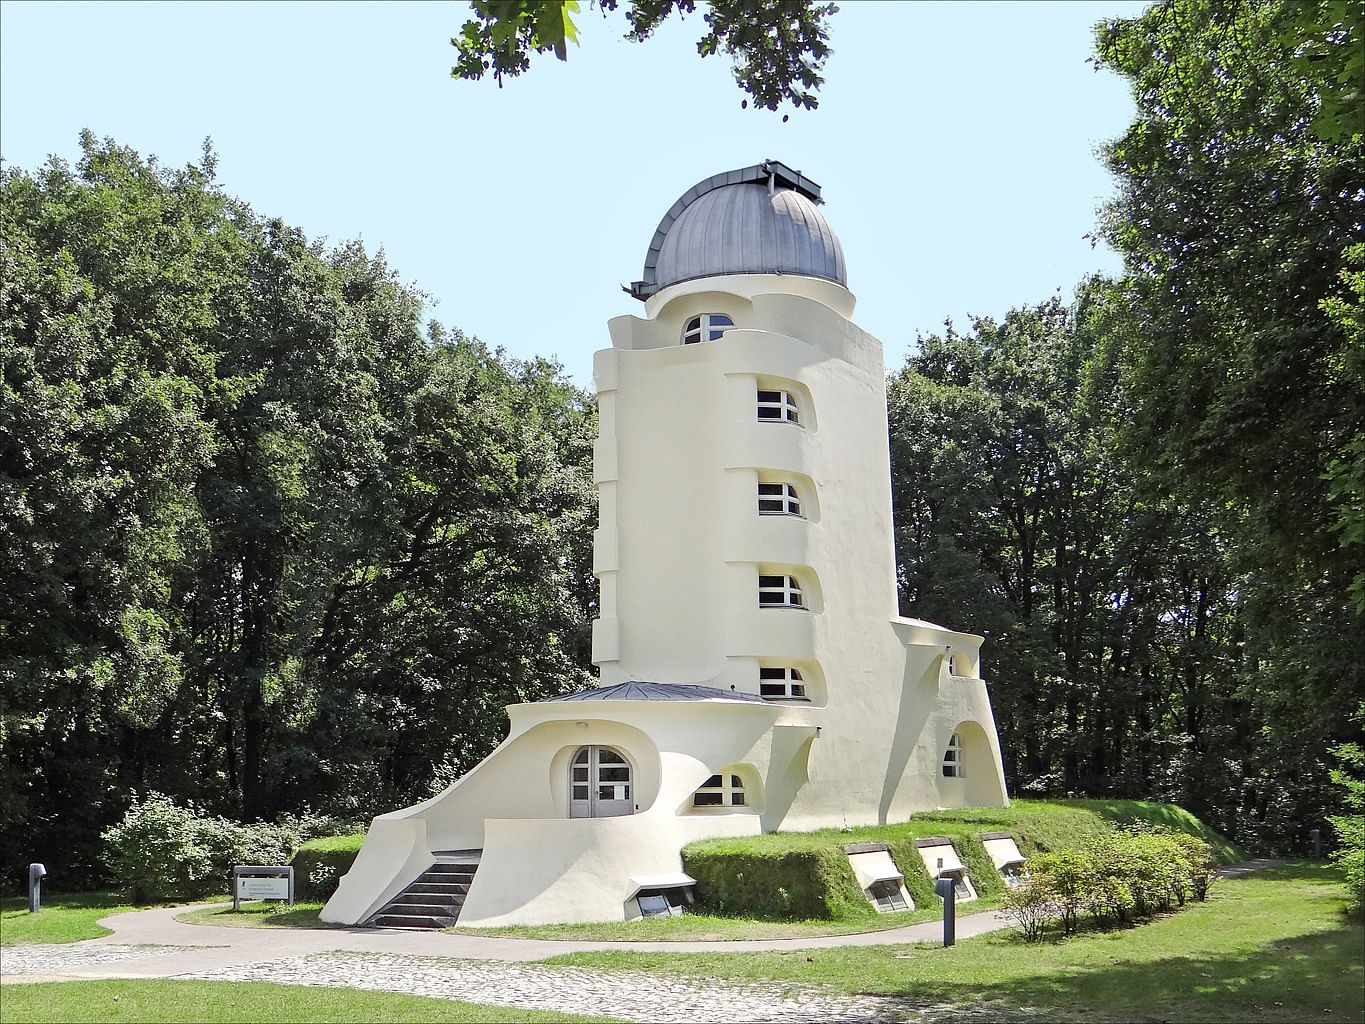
(707, 327)
(881, 881)
(661, 895)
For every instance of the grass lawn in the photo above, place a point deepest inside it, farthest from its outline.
(709, 928)
(81, 1001)
(257, 915)
(64, 917)
(1273, 946)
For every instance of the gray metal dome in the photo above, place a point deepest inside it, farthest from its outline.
(756, 220)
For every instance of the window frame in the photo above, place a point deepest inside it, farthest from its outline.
(787, 497)
(728, 785)
(952, 758)
(785, 404)
(789, 681)
(706, 327)
(789, 590)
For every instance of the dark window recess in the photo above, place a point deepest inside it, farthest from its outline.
(670, 902)
(778, 500)
(781, 684)
(886, 896)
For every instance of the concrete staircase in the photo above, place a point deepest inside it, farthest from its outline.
(434, 900)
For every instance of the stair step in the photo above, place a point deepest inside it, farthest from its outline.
(448, 887)
(431, 923)
(435, 899)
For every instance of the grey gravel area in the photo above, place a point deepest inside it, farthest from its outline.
(623, 994)
(60, 958)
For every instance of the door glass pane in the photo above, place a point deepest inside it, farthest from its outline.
(580, 792)
(613, 775)
(581, 757)
(607, 756)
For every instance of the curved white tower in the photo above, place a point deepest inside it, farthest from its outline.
(755, 672)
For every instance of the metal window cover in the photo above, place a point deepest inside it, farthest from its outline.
(873, 867)
(1003, 850)
(672, 880)
(952, 863)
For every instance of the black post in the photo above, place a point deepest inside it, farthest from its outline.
(947, 889)
(1316, 836)
(36, 874)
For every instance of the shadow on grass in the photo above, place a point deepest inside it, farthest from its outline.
(257, 915)
(1307, 978)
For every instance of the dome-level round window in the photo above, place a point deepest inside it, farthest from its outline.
(707, 327)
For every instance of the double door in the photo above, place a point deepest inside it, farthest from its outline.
(599, 783)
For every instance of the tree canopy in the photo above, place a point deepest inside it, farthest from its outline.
(265, 543)
(777, 47)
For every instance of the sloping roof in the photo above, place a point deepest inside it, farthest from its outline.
(657, 691)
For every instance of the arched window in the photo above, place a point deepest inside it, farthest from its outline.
(723, 790)
(952, 759)
(779, 592)
(707, 327)
(778, 500)
(778, 407)
(781, 684)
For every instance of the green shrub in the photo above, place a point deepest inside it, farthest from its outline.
(162, 850)
(1031, 905)
(1070, 875)
(320, 863)
(158, 850)
(813, 884)
(1199, 864)
(1350, 827)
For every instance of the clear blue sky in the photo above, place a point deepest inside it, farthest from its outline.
(955, 144)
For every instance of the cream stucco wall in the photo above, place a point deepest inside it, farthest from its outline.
(678, 552)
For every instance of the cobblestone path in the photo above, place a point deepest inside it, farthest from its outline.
(627, 995)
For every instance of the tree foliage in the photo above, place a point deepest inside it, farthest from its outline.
(265, 544)
(777, 47)
(1141, 640)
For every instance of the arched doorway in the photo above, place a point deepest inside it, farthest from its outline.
(599, 783)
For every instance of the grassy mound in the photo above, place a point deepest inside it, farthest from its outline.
(320, 863)
(805, 875)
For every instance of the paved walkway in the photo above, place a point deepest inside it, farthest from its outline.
(483, 969)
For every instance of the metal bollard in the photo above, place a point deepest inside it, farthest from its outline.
(1316, 836)
(36, 874)
(947, 889)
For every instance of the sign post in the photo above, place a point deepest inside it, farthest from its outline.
(36, 874)
(262, 882)
(947, 888)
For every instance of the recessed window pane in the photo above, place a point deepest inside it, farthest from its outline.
(609, 757)
(613, 775)
(580, 792)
